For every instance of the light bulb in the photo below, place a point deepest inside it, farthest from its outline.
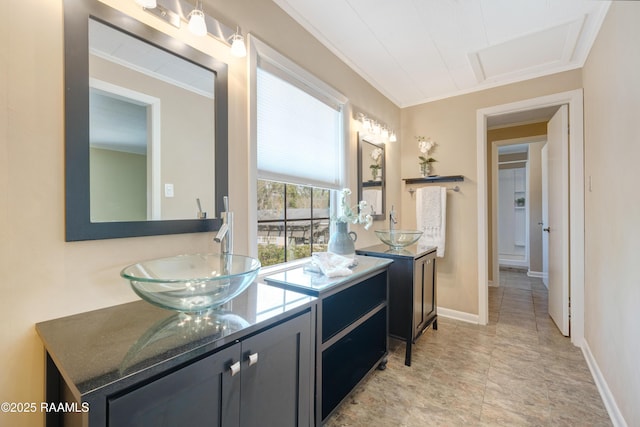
(376, 128)
(197, 26)
(147, 4)
(393, 137)
(238, 48)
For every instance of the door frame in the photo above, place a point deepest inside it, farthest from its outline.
(574, 99)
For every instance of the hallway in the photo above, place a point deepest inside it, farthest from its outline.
(517, 371)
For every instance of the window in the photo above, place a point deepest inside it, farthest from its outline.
(293, 221)
(299, 135)
(298, 140)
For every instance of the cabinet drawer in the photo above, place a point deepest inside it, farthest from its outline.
(345, 307)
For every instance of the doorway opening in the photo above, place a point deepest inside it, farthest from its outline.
(575, 198)
(514, 199)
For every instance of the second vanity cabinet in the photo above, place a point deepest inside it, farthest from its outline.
(351, 327)
(412, 291)
(248, 365)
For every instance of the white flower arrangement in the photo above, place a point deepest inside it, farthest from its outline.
(425, 145)
(355, 214)
(376, 156)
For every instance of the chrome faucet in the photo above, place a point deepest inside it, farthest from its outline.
(392, 219)
(225, 234)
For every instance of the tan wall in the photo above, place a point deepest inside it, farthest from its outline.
(502, 134)
(612, 205)
(118, 185)
(452, 124)
(43, 277)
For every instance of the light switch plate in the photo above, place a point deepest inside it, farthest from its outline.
(168, 190)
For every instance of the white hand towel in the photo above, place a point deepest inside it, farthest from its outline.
(431, 217)
(332, 265)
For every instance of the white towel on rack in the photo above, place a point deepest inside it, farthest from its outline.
(431, 217)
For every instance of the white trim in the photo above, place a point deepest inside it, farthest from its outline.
(513, 263)
(607, 397)
(576, 195)
(252, 147)
(458, 315)
(536, 274)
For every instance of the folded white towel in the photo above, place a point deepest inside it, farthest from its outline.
(332, 265)
(431, 217)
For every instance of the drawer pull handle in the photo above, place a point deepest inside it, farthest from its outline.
(253, 359)
(235, 368)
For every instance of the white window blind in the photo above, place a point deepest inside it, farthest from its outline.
(299, 132)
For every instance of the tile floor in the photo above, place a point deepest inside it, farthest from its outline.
(517, 371)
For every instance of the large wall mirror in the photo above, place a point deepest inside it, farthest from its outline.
(146, 129)
(371, 172)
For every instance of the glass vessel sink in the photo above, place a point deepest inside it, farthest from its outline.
(192, 283)
(398, 239)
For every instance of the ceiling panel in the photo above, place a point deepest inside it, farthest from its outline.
(416, 51)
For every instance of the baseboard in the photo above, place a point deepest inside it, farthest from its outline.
(609, 402)
(537, 274)
(513, 263)
(491, 283)
(458, 315)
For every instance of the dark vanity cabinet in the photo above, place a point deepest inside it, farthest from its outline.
(351, 326)
(252, 383)
(225, 370)
(412, 291)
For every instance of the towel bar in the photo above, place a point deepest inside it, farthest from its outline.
(456, 189)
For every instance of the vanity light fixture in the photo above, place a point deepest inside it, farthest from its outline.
(376, 129)
(197, 26)
(238, 49)
(147, 4)
(171, 11)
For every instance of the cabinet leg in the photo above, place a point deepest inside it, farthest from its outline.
(435, 324)
(407, 356)
(383, 364)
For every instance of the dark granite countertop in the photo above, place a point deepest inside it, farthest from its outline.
(111, 348)
(413, 251)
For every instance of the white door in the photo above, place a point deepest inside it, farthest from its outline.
(545, 216)
(557, 226)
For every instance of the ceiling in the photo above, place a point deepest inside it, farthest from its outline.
(416, 51)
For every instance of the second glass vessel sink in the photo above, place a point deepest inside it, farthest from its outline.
(192, 283)
(399, 239)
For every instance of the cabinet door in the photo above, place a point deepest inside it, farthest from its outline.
(276, 376)
(423, 293)
(202, 393)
